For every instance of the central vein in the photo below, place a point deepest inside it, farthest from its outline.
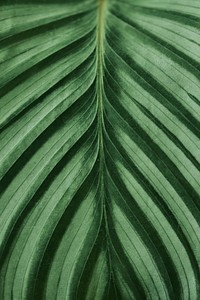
(100, 41)
(100, 36)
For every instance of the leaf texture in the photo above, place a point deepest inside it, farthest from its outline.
(100, 150)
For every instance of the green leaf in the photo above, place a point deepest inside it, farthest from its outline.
(100, 150)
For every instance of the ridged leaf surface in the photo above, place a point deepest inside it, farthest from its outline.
(100, 150)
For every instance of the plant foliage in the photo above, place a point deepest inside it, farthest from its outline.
(100, 150)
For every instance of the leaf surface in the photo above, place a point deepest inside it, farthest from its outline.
(100, 150)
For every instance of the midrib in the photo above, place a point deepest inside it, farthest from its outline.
(100, 40)
(100, 35)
